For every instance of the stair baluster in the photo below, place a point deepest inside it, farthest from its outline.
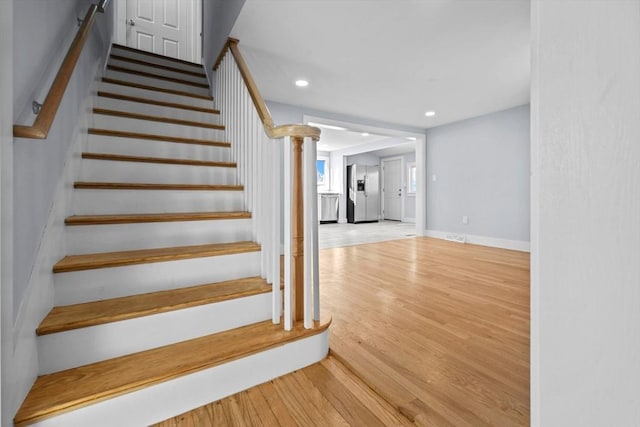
(257, 152)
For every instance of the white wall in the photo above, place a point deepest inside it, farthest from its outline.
(585, 287)
(218, 18)
(6, 202)
(482, 171)
(42, 33)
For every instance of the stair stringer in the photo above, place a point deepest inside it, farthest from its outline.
(38, 298)
(165, 400)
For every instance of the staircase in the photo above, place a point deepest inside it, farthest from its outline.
(160, 304)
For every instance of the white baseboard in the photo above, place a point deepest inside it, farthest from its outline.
(515, 245)
(409, 220)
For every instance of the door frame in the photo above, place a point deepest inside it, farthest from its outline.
(196, 36)
(402, 184)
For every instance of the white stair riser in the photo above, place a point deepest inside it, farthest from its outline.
(97, 202)
(124, 124)
(156, 110)
(78, 347)
(87, 239)
(154, 59)
(152, 148)
(156, 403)
(155, 95)
(160, 83)
(160, 71)
(103, 283)
(159, 173)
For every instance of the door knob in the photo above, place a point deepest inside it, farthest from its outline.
(133, 24)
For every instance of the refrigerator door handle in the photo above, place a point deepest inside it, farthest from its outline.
(352, 187)
(365, 187)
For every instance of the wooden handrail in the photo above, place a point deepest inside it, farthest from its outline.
(273, 132)
(44, 120)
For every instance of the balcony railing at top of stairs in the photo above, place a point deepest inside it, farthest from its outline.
(263, 152)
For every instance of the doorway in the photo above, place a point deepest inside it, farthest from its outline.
(170, 28)
(392, 194)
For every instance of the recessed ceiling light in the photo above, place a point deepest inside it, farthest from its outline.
(430, 113)
(364, 134)
(302, 83)
(322, 125)
(324, 146)
(411, 138)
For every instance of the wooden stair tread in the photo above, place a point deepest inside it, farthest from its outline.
(144, 256)
(74, 388)
(157, 76)
(155, 55)
(65, 318)
(154, 217)
(162, 160)
(155, 88)
(141, 100)
(155, 137)
(145, 186)
(158, 66)
(151, 118)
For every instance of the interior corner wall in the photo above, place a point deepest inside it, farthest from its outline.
(40, 32)
(585, 239)
(481, 166)
(218, 17)
(6, 209)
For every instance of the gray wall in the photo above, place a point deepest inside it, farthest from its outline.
(40, 28)
(219, 16)
(482, 171)
(585, 239)
(367, 159)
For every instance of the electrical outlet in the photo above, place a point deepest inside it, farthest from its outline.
(465, 219)
(434, 177)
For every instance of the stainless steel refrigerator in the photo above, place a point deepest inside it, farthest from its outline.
(363, 193)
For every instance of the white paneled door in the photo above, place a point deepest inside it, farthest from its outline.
(392, 189)
(166, 27)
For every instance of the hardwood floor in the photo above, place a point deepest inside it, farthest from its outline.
(324, 394)
(439, 330)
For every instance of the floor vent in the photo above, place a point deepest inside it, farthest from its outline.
(458, 238)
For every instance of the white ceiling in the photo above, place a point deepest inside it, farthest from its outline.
(390, 60)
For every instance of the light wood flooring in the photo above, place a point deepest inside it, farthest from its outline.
(333, 235)
(439, 330)
(324, 394)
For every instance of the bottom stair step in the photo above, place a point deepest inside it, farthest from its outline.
(72, 389)
(65, 318)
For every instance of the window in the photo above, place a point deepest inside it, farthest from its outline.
(411, 178)
(321, 169)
